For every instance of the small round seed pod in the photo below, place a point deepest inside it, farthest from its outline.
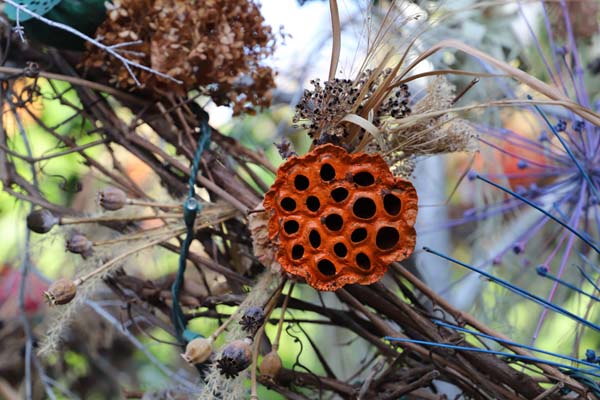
(271, 365)
(112, 198)
(80, 244)
(198, 351)
(252, 319)
(41, 221)
(236, 357)
(61, 292)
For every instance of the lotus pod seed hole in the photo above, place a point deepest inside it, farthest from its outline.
(291, 227)
(392, 204)
(327, 172)
(301, 182)
(314, 238)
(364, 208)
(362, 260)
(364, 179)
(297, 252)
(358, 235)
(288, 204)
(313, 203)
(326, 267)
(387, 238)
(340, 250)
(334, 222)
(340, 194)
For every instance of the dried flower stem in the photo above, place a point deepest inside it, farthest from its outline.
(88, 220)
(281, 317)
(463, 317)
(120, 257)
(135, 202)
(223, 326)
(79, 82)
(268, 309)
(534, 83)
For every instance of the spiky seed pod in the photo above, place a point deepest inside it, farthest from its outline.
(61, 292)
(252, 319)
(198, 351)
(236, 357)
(270, 365)
(41, 221)
(80, 244)
(112, 198)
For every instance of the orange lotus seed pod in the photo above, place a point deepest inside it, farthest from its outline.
(339, 218)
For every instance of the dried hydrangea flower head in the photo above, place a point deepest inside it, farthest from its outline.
(221, 43)
(339, 218)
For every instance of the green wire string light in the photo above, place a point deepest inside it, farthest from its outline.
(191, 208)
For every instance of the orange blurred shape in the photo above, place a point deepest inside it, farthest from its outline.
(520, 162)
(21, 93)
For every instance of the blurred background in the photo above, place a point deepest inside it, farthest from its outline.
(459, 215)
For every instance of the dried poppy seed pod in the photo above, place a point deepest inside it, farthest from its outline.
(112, 198)
(338, 218)
(61, 292)
(198, 351)
(80, 244)
(236, 357)
(252, 319)
(41, 221)
(270, 365)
